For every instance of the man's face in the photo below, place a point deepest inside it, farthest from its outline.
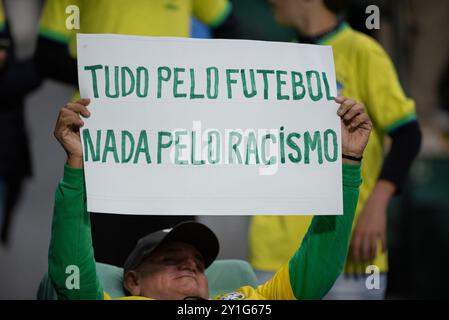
(289, 12)
(173, 271)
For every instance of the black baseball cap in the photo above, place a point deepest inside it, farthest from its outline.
(194, 233)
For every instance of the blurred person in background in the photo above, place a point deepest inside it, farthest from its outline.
(56, 53)
(365, 72)
(17, 79)
(443, 93)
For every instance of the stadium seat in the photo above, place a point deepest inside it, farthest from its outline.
(224, 276)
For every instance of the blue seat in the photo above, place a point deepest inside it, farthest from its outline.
(224, 276)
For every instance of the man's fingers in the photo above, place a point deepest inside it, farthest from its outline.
(358, 120)
(345, 106)
(71, 119)
(78, 108)
(353, 111)
(83, 101)
(340, 99)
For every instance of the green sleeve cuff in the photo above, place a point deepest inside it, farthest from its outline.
(352, 175)
(399, 123)
(73, 176)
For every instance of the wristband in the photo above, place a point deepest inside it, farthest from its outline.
(352, 158)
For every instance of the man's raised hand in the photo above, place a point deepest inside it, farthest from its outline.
(67, 130)
(355, 127)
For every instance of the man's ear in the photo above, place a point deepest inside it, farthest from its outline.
(131, 282)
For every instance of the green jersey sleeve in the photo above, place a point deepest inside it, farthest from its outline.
(71, 262)
(320, 259)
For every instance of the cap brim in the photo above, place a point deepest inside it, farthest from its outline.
(197, 235)
(194, 233)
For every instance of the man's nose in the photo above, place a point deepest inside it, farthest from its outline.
(189, 264)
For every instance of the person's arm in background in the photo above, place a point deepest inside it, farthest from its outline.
(443, 89)
(55, 61)
(17, 78)
(223, 22)
(395, 115)
(71, 240)
(320, 259)
(52, 53)
(372, 224)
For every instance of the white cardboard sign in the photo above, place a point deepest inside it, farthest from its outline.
(209, 127)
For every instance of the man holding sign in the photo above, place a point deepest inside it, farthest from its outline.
(272, 144)
(170, 264)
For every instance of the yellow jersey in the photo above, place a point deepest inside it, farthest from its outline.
(137, 17)
(2, 18)
(365, 73)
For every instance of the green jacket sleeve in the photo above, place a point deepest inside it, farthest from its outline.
(71, 242)
(320, 259)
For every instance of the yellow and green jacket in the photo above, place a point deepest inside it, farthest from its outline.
(365, 73)
(309, 274)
